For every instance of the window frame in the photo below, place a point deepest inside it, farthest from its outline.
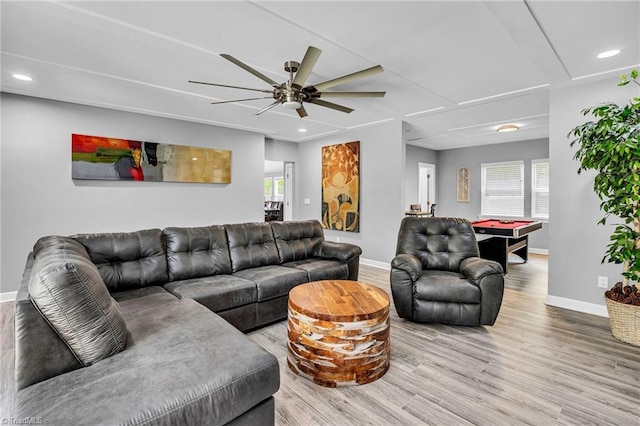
(275, 195)
(536, 190)
(517, 212)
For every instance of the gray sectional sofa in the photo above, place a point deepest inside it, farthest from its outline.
(146, 327)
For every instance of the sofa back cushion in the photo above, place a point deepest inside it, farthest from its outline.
(196, 252)
(438, 242)
(40, 353)
(251, 245)
(128, 260)
(297, 240)
(67, 289)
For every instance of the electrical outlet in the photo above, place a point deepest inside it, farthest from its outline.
(603, 282)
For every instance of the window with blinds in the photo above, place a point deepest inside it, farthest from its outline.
(502, 189)
(540, 189)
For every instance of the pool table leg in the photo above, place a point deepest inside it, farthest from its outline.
(495, 248)
(523, 251)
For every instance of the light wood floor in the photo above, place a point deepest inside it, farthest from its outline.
(537, 365)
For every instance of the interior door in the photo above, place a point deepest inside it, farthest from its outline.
(288, 191)
(426, 185)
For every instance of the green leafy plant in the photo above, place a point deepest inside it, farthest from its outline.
(610, 145)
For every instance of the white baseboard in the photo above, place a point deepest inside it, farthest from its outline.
(9, 296)
(539, 251)
(577, 305)
(376, 264)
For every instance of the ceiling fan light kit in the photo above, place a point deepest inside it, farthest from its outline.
(292, 93)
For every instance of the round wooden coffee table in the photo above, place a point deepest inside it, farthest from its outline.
(338, 332)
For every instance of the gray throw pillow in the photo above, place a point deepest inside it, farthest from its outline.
(67, 289)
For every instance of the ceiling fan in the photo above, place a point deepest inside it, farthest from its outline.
(292, 93)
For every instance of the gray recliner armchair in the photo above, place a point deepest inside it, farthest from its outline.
(437, 275)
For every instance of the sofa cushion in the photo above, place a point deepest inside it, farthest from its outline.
(134, 301)
(39, 352)
(67, 289)
(218, 292)
(251, 245)
(297, 240)
(196, 252)
(320, 269)
(184, 365)
(445, 286)
(274, 280)
(128, 260)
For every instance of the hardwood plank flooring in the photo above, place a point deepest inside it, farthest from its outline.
(538, 365)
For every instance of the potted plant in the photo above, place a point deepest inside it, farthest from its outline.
(610, 145)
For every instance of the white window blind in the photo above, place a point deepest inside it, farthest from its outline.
(540, 189)
(502, 189)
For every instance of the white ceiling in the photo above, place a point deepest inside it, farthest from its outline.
(454, 70)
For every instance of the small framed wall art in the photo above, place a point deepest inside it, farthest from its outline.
(462, 185)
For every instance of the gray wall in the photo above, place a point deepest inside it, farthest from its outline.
(415, 155)
(382, 157)
(276, 150)
(577, 243)
(450, 160)
(39, 197)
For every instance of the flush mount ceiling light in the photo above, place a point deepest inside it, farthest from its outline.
(608, 53)
(22, 77)
(302, 130)
(508, 128)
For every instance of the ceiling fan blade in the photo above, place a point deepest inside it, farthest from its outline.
(302, 112)
(347, 78)
(251, 70)
(268, 108)
(330, 105)
(240, 100)
(307, 64)
(231, 87)
(349, 94)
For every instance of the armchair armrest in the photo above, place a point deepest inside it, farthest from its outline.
(340, 251)
(476, 268)
(487, 275)
(409, 264)
(405, 271)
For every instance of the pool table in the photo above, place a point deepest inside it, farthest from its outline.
(497, 238)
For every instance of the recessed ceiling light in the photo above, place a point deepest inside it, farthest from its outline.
(508, 128)
(302, 130)
(22, 77)
(608, 53)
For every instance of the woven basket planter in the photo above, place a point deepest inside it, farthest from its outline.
(625, 321)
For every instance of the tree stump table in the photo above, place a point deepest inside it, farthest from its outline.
(338, 332)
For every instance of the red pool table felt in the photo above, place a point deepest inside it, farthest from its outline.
(495, 223)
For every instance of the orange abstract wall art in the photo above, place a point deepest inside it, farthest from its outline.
(101, 158)
(341, 187)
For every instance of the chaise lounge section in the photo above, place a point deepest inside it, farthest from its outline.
(184, 296)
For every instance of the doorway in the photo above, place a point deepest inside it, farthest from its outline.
(278, 189)
(427, 186)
